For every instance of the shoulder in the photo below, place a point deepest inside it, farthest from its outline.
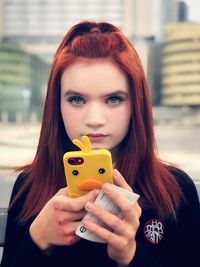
(188, 189)
(181, 176)
(183, 179)
(19, 182)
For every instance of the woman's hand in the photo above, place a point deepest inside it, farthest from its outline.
(121, 241)
(58, 220)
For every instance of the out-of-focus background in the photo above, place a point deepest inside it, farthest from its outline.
(166, 34)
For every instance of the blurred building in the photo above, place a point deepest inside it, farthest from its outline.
(1, 19)
(22, 77)
(181, 65)
(30, 31)
(182, 11)
(143, 24)
(145, 18)
(39, 25)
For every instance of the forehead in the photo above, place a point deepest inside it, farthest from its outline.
(93, 74)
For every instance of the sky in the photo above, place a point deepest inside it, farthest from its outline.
(193, 9)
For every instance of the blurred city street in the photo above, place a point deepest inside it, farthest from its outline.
(175, 144)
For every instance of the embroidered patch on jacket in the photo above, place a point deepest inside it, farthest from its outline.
(153, 231)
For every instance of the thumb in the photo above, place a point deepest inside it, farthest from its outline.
(120, 181)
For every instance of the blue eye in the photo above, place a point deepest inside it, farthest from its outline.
(76, 100)
(115, 100)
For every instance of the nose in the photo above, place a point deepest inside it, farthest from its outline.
(95, 116)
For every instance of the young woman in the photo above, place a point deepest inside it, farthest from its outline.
(97, 88)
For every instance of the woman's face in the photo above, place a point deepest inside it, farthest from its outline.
(95, 101)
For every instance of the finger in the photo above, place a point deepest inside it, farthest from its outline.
(62, 191)
(73, 204)
(120, 181)
(118, 225)
(70, 228)
(64, 216)
(109, 219)
(68, 235)
(103, 233)
(72, 239)
(127, 208)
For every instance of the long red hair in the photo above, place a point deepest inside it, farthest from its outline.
(137, 161)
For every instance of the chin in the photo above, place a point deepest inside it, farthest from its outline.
(98, 146)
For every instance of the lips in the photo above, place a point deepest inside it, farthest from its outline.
(96, 137)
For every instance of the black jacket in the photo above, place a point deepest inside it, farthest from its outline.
(159, 243)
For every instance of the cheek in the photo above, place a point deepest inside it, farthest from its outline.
(70, 126)
(67, 116)
(66, 111)
(123, 120)
(72, 119)
(122, 116)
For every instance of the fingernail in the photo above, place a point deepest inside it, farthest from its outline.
(106, 187)
(97, 192)
(85, 223)
(116, 173)
(88, 206)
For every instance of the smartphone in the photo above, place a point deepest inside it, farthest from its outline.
(87, 169)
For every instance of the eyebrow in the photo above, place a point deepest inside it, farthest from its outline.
(118, 92)
(74, 92)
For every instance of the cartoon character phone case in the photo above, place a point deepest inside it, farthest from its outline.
(87, 169)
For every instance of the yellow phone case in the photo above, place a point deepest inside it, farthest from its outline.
(87, 169)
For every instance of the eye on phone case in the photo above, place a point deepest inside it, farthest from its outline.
(87, 169)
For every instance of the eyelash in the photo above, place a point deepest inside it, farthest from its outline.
(118, 99)
(73, 100)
